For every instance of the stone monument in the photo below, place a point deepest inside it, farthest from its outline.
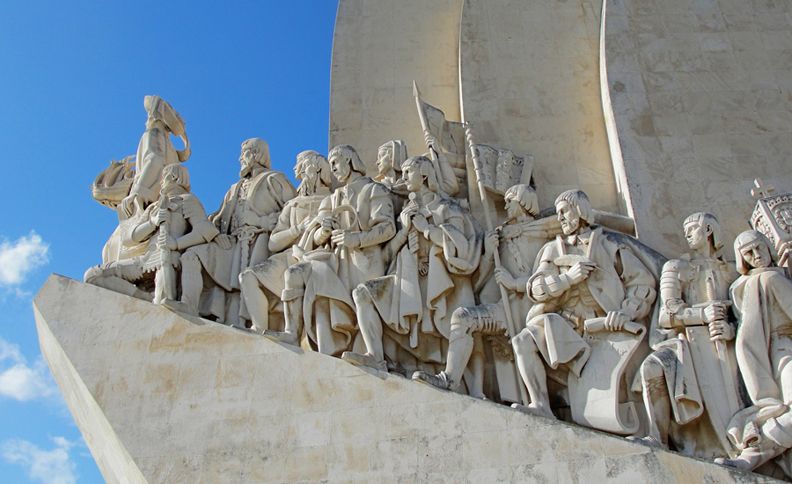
(518, 268)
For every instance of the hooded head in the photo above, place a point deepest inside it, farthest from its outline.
(752, 250)
(160, 110)
(391, 155)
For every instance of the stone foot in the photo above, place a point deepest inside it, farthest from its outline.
(281, 337)
(533, 410)
(364, 360)
(177, 306)
(438, 381)
(647, 441)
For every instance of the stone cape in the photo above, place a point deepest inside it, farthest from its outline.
(161, 398)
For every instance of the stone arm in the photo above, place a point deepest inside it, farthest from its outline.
(322, 235)
(547, 282)
(282, 192)
(675, 312)
(144, 230)
(382, 225)
(639, 285)
(202, 231)
(395, 244)
(284, 234)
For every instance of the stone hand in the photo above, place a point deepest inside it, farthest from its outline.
(615, 320)
(407, 214)
(720, 330)
(580, 271)
(327, 225)
(430, 140)
(343, 238)
(161, 217)
(171, 244)
(505, 279)
(714, 312)
(224, 241)
(420, 223)
(491, 241)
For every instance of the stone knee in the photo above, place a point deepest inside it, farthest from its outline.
(247, 278)
(463, 323)
(524, 344)
(293, 282)
(190, 262)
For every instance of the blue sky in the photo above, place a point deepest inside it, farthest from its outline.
(72, 80)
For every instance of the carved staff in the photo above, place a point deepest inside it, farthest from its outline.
(720, 346)
(510, 326)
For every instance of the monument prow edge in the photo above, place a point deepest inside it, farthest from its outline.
(159, 398)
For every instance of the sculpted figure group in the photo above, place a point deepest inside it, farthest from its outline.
(394, 274)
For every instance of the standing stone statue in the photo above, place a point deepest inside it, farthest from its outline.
(341, 250)
(690, 382)
(519, 240)
(249, 212)
(583, 283)
(762, 298)
(155, 151)
(435, 252)
(262, 285)
(173, 223)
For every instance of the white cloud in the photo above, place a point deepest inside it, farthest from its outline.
(21, 381)
(20, 257)
(52, 466)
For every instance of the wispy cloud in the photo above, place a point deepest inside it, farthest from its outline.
(20, 257)
(53, 466)
(20, 380)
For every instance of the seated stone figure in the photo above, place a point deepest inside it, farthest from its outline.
(519, 240)
(173, 223)
(762, 297)
(250, 210)
(689, 383)
(339, 251)
(434, 254)
(262, 284)
(584, 283)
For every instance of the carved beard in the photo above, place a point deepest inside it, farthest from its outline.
(308, 187)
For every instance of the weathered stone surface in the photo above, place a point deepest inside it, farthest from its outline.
(702, 99)
(529, 77)
(379, 48)
(160, 398)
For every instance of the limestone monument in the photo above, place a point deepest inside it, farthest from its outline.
(500, 308)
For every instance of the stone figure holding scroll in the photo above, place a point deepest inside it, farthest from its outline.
(434, 254)
(341, 249)
(249, 212)
(519, 240)
(167, 227)
(262, 285)
(689, 383)
(584, 283)
(762, 297)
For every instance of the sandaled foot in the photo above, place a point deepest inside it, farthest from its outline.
(280, 337)
(368, 361)
(532, 409)
(438, 381)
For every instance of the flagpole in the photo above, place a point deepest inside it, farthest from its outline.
(510, 326)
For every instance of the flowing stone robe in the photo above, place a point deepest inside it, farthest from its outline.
(154, 152)
(426, 283)
(693, 375)
(763, 304)
(328, 275)
(262, 196)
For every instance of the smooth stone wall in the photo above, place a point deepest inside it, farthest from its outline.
(160, 398)
(379, 48)
(530, 82)
(702, 97)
